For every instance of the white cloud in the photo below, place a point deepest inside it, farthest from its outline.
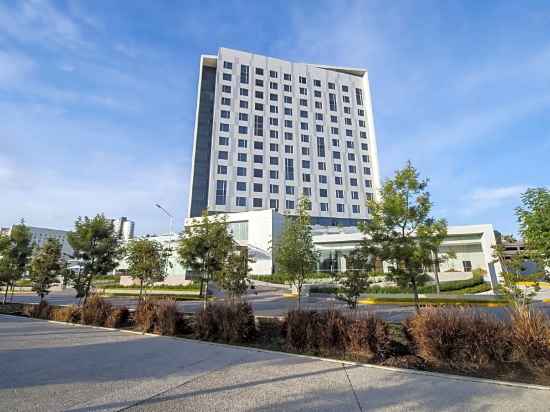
(498, 194)
(488, 198)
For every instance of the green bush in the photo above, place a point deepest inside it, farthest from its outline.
(195, 285)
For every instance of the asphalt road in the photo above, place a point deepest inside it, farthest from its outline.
(271, 302)
(55, 367)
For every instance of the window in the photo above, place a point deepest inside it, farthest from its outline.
(467, 265)
(273, 121)
(273, 74)
(288, 136)
(222, 169)
(259, 83)
(302, 79)
(287, 88)
(347, 110)
(258, 159)
(244, 92)
(303, 102)
(244, 74)
(243, 144)
(334, 130)
(318, 105)
(273, 134)
(366, 158)
(226, 88)
(306, 177)
(352, 169)
(324, 207)
(353, 181)
(349, 144)
(359, 97)
(364, 146)
(226, 77)
(322, 166)
(226, 101)
(345, 89)
(360, 112)
(287, 99)
(303, 113)
(259, 107)
(332, 101)
(306, 164)
(337, 167)
(273, 109)
(349, 133)
(306, 191)
(273, 85)
(319, 116)
(340, 207)
(317, 93)
(345, 99)
(320, 147)
(243, 117)
(241, 171)
(225, 114)
(288, 123)
(221, 192)
(289, 149)
(258, 126)
(303, 91)
(241, 157)
(258, 173)
(241, 186)
(287, 76)
(331, 85)
(347, 121)
(223, 141)
(256, 202)
(240, 201)
(305, 151)
(274, 189)
(368, 183)
(243, 104)
(289, 204)
(289, 169)
(273, 160)
(274, 203)
(274, 147)
(366, 170)
(319, 128)
(273, 174)
(259, 71)
(227, 65)
(369, 196)
(355, 209)
(273, 97)
(355, 195)
(339, 194)
(304, 138)
(338, 180)
(222, 155)
(289, 190)
(303, 126)
(323, 193)
(258, 94)
(323, 179)
(336, 155)
(335, 143)
(258, 188)
(243, 129)
(259, 145)
(351, 157)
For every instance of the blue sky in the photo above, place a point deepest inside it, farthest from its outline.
(97, 98)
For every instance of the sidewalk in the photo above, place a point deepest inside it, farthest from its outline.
(51, 366)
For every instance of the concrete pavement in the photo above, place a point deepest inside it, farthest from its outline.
(49, 366)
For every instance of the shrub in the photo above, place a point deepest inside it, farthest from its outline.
(270, 330)
(157, 316)
(118, 317)
(40, 311)
(332, 332)
(301, 331)
(95, 311)
(531, 340)
(405, 362)
(368, 339)
(230, 323)
(460, 338)
(66, 314)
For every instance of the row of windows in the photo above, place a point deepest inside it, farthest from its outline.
(289, 190)
(274, 147)
(226, 114)
(257, 158)
(306, 164)
(244, 78)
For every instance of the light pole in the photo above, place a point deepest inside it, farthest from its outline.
(169, 215)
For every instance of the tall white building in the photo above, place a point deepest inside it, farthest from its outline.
(39, 235)
(269, 131)
(123, 228)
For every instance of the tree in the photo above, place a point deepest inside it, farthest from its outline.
(356, 279)
(45, 267)
(534, 225)
(15, 251)
(148, 261)
(233, 278)
(400, 230)
(97, 247)
(295, 254)
(204, 247)
(433, 235)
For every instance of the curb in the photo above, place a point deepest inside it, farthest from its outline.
(342, 362)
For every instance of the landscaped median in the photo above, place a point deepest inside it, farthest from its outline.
(433, 299)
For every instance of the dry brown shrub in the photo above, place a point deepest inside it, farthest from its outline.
(95, 311)
(66, 314)
(118, 318)
(226, 322)
(157, 316)
(368, 338)
(40, 311)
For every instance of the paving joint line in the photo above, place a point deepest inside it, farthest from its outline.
(352, 388)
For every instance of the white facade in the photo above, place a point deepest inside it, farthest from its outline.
(39, 235)
(123, 228)
(283, 130)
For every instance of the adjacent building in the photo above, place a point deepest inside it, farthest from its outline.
(39, 235)
(269, 131)
(123, 228)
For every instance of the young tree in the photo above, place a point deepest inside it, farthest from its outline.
(204, 247)
(15, 251)
(400, 230)
(233, 278)
(97, 247)
(295, 254)
(534, 225)
(356, 279)
(433, 235)
(45, 267)
(148, 261)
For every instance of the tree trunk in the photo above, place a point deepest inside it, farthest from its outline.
(6, 293)
(416, 300)
(205, 301)
(299, 296)
(12, 290)
(140, 288)
(436, 272)
(87, 290)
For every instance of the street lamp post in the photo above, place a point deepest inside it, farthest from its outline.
(169, 216)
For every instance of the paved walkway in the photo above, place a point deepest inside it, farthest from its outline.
(48, 366)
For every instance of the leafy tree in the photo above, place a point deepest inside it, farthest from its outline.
(356, 279)
(295, 254)
(534, 225)
(400, 230)
(233, 278)
(432, 236)
(45, 267)
(204, 248)
(148, 261)
(15, 251)
(97, 247)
